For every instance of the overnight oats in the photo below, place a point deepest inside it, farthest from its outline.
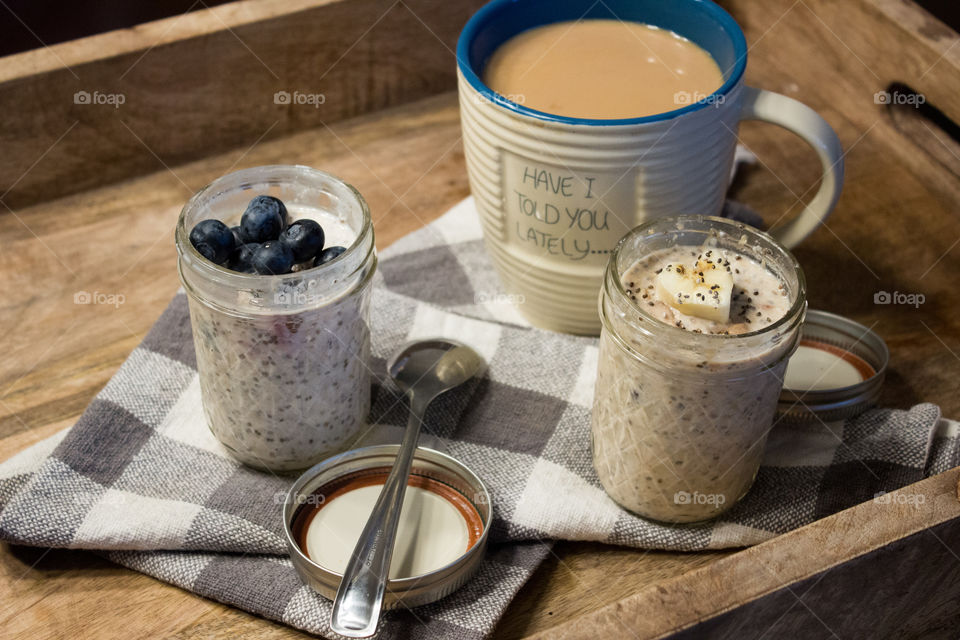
(277, 263)
(699, 318)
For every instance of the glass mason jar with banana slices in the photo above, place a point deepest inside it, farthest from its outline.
(699, 317)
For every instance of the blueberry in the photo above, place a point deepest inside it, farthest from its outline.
(213, 240)
(304, 238)
(263, 220)
(329, 254)
(207, 251)
(272, 258)
(242, 258)
(237, 236)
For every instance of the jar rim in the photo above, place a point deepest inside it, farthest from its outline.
(612, 278)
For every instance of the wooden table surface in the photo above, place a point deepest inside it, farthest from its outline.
(897, 228)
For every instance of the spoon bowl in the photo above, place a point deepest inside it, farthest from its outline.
(450, 362)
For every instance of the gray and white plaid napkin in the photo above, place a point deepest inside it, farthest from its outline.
(141, 478)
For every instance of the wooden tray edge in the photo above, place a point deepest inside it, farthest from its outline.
(694, 597)
(148, 35)
(114, 106)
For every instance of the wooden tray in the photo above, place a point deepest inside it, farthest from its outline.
(91, 194)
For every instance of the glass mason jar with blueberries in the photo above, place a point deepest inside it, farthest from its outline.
(277, 263)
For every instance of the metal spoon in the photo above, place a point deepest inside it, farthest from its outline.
(422, 370)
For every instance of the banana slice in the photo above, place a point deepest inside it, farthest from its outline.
(702, 290)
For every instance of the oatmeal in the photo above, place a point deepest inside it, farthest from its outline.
(680, 418)
(280, 326)
(283, 391)
(757, 297)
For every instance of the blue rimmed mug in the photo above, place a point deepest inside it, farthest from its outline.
(550, 243)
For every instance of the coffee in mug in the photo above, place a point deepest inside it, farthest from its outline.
(601, 69)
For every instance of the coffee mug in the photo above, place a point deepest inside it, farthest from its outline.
(555, 193)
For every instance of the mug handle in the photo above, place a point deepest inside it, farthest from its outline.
(792, 115)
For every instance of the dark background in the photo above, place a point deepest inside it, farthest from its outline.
(29, 24)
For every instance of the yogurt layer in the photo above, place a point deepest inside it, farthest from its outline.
(281, 389)
(758, 298)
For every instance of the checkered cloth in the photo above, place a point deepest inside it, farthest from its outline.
(141, 478)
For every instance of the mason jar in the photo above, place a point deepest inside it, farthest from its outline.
(283, 360)
(680, 418)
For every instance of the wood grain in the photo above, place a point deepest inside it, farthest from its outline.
(906, 552)
(896, 228)
(206, 81)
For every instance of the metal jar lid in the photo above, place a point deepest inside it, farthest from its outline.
(427, 463)
(826, 392)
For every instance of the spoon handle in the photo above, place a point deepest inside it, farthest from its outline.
(356, 609)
